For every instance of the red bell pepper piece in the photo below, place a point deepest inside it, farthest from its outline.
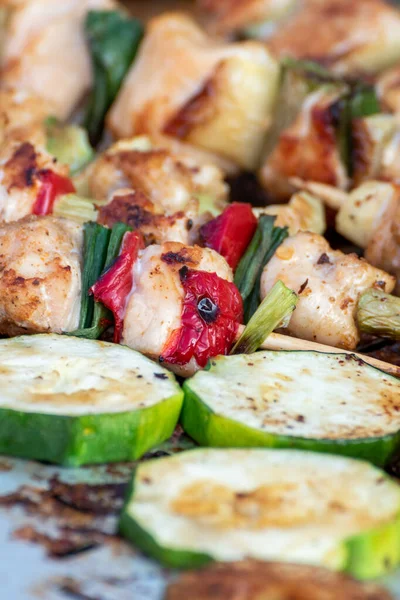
(52, 186)
(230, 233)
(211, 314)
(114, 286)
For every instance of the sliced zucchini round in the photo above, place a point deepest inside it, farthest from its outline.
(270, 505)
(73, 401)
(270, 581)
(332, 403)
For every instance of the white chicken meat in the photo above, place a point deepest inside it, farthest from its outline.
(209, 95)
(45, 51)
(328, 283)
(40, 276)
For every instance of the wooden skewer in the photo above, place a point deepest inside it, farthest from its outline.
(329, 195)
(276, 341)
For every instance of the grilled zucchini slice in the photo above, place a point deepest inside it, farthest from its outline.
(309, 400)
(74, 401)
(279, 505)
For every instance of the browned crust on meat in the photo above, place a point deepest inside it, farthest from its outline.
(182, 257)
(177, 255)
(137, 211)
(312, 158)
(21, 168)
(133, 208)
(361, 150)
(27, 302)
(198, 110)
(253, 580)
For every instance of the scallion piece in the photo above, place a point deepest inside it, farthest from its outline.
(113, 39)
(276, 308)
(101, 317)
(96, 238)
(76, 208)
(378, 314)
(262, 247)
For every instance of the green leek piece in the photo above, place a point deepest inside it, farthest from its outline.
(114, 40)
(378, 314)
(95, 317)
(262, 247)
(76, 208)
(276, 308)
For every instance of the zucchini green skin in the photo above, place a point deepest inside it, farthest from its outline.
(171, 558)
(208, 428)
(365, 556)
(88, 439)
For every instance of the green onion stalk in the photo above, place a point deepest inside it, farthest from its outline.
(113, 40)
(101, 248)
(378, 314)
(276, 309)
(262, 247)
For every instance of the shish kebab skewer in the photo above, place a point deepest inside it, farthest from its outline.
(181, 279)
(277, 341)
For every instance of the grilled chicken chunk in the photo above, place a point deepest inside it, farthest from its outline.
(304, 212)
(40, 276)
(154, 309)
(22, 167)
(44, 49)
(329, 284)
(362, 210)
(375, 148)
(348, 37)
(307, 149)
(217, 97)
(135, 209)
(169, 180)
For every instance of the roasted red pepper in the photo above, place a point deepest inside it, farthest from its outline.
(114, 286)
(211, 314)
(52, 186)
(230, 233)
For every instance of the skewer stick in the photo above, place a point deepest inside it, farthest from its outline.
(276, 341)
(329, 195)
